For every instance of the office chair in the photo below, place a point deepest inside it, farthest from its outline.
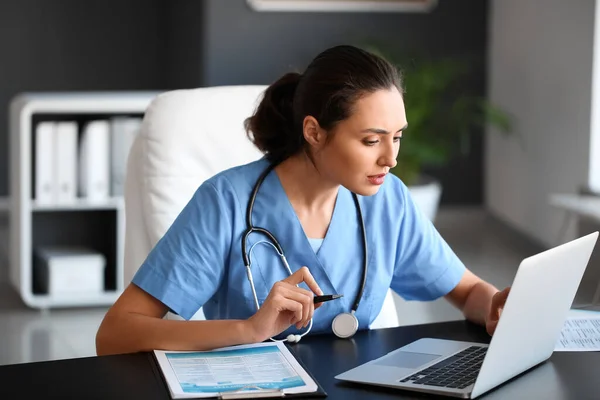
(186, 137)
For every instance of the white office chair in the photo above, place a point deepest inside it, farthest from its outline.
(186, 137)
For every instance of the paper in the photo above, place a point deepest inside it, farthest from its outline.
(581, 332)
(264, 366)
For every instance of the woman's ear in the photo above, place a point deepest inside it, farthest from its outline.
(313, 133)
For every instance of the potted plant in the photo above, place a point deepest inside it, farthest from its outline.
(441, 119)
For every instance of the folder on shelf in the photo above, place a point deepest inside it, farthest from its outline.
(66, 162)
(123, 131)
(94, 171)
(44, 162)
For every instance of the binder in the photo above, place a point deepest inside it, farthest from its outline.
(94, 161)
(44, 162)
(123, 131)
(66, 162)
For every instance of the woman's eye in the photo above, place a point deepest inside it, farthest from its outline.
(371, 142)
(397, 138)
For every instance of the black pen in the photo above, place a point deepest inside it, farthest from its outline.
(326, 297)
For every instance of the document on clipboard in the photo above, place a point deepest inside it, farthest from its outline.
(247, 371)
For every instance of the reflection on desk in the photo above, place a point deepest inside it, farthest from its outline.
(563, 376)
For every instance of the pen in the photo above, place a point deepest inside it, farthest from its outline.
(326, 297)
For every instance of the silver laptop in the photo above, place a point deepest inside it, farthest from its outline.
(538, 304)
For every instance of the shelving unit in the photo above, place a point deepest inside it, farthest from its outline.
(97, 225)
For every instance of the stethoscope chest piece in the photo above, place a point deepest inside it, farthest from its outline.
(345, 325)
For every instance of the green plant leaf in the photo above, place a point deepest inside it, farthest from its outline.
(442, 117)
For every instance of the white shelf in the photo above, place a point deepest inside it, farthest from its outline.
(113, 203)
(98, 299)
(26, 214)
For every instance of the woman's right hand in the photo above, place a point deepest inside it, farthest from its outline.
(286, 305)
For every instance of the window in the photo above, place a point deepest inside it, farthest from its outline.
(594, 168)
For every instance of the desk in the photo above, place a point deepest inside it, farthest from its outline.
(135, 376)
(583, 205)
(577, 206)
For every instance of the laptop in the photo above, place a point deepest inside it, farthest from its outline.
(541, 295)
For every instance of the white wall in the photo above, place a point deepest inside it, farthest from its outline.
(540, 68)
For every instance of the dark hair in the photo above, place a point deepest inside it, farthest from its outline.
(327, 90)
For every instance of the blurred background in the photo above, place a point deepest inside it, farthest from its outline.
(503, 149)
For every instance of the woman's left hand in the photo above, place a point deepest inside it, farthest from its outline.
(496, 308)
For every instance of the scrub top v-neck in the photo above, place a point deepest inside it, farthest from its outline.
(198, 262)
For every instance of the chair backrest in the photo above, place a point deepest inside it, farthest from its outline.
(186, 137)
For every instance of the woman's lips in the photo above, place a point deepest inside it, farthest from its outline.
(376, 179)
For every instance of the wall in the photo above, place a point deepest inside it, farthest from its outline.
(67, 45)
(540, 68)
(241, 46)
(160, 44)
(182, 52)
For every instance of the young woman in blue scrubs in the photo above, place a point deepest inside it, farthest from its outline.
(344, 224)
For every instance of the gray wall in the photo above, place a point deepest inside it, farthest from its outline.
(160, 44)
(183, 60)
(68, 45)
(541, 71)
(241, 46)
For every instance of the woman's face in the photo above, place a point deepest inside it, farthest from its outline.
(364, 147)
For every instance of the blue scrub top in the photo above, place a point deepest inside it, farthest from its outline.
(198, 262)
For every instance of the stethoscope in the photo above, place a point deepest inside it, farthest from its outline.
(345, 324)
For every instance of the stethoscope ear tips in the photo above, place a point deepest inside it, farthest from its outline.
(293, 338)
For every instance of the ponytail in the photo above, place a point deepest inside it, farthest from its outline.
(272, 128)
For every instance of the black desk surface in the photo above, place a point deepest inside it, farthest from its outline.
(135, 376)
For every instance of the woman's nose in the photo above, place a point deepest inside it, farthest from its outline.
(388, 159)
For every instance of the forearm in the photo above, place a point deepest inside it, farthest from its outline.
(129, 333)
(479, 300)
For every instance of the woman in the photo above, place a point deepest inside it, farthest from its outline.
(330, 137)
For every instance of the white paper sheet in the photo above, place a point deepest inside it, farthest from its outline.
(581, 332)
(268, 366)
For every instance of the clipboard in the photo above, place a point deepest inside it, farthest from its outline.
(264, 394)
(243, 393)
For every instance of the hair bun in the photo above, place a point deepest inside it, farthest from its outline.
(272, 126)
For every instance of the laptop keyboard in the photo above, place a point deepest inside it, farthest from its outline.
(457, 371)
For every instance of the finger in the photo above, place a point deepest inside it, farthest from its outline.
(498, 301)
(299, 295)
(304, 275)
(491, 327)
(311, 313)
(504, 295)
(285, 304)
(283, 285)
(308, 306)
(493, 313)
(501, 301)
(302, 296)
